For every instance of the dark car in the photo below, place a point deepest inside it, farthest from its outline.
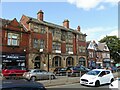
(62, 71)
(77, 70)
(22, 84)
(114, 69)
(57, 71)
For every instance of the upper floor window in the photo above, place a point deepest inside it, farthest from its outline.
(81, 38)
(81, 49)
(63, 36)
(69, 48)
(42, 44)
(13, 39)
(36, 28)
(56, 46)
(42, 29)
(35, 43)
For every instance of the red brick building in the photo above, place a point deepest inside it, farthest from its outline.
(13, 43)
(52, 45)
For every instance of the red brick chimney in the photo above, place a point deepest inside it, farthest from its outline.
(66, 23)
(40, 15)
(78, 28)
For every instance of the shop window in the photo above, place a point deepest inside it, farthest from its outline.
(13, 39)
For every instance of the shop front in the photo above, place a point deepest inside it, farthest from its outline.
(13, 59)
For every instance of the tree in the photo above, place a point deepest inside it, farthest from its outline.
(113, 44)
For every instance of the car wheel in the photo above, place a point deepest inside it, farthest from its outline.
(111, 80)
(33, 78)
(52, 77)
(97, 84)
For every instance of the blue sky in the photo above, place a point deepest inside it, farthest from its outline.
(97, 19)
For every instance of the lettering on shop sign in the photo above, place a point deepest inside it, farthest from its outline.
(15, 57)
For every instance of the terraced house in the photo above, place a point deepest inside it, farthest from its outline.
(52, 45)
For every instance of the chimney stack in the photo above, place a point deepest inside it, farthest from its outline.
(40, 15)
(78, 28)
(66, 23)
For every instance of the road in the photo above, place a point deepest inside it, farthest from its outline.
(77, 85)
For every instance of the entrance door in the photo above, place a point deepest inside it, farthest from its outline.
(37, 62)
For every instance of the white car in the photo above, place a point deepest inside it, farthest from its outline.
(97, 77)
(115, 84)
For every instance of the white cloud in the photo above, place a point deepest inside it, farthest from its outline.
(89, 4)
(97, 33)
(114, 32)
(101, 7)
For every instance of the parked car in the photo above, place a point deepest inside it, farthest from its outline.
(118, 67)
(114, 69)
(77, 70)
(57, 71)
(115, 84)
(21, 84)
(35, 74)
(97, 77)
(62, 71)
(13, 71)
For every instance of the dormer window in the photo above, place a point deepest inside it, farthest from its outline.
(105, 47)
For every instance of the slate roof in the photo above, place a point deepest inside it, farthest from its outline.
(52, 25)
(4, 22)
(101, 46)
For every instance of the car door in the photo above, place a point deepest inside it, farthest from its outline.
(38, 74)
(103, 77)
(108, 78)
(45, 74)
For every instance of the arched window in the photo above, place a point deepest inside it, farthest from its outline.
(82, 61)
(56, 62)
(69, 61)
(37, 62)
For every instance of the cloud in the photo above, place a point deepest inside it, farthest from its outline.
(90, 4)
(101, 7)
(97, 33)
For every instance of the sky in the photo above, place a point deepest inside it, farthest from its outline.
(97, 18)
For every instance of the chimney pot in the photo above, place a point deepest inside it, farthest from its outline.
(40, 15)
(66, 23)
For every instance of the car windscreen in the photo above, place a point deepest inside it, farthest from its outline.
(93, 72)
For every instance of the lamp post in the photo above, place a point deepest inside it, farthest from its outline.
(48, 62)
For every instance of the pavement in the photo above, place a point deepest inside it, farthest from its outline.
(64, 80)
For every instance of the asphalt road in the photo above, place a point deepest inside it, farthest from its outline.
(77, 85)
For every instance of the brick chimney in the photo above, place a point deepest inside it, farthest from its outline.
(66, 23)
(40, 15)
(78, 28)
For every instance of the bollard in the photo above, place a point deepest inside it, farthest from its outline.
(80, 73)
(66, 76)
(49, 78)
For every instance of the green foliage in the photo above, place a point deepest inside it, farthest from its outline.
(113, 44)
